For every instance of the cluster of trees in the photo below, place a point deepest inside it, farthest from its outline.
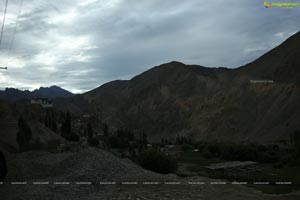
(273, 153)
(295, 140)
(179, 140)
(50, 120)
(24, 135)
(92, 140)
(122, 139)
(125, 139)
(66, 129)
(155, 160)
(183, 140)
(164, 141)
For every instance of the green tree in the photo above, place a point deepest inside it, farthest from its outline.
(66, 127)
(90, 130)
(155, 160)
(144, 139)
(24, 135)
(105, 130)
(50, 121)
(295, 139)
(90, 133)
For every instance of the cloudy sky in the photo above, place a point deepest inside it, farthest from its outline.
(80, 45)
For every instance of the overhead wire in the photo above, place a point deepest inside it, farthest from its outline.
(3, 22)
(2, 28)
(14, 32)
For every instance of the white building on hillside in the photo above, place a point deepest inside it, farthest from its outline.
(45, 103)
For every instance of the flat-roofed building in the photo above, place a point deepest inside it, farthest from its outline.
(44, 102)
(231, 168)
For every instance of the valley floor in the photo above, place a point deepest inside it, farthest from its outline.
(68, 173)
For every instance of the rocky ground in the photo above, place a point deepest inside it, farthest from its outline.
(85, 175)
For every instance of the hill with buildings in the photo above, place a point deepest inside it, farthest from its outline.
(258, 102)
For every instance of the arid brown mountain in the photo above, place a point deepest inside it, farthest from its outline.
(12, 94)
(9, 115)
(258, 102)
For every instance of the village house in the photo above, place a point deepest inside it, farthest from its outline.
(44, 102)
(231, 168)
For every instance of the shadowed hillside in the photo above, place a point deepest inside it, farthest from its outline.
(257, 102)
(10, 115)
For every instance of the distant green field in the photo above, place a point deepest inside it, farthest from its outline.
(275, 189)
(197, 158)
(290, 173)
(196, 163)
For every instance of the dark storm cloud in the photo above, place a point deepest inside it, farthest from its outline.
(80, 45)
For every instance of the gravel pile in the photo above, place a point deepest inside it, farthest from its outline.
(97, 166)
(93, 166)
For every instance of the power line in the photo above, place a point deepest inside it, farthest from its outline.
(15, 29)
(3, 21)
(14, 32)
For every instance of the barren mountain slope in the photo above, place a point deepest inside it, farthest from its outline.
(258, 102)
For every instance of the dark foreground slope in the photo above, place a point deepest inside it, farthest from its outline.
(97, 166)
(258, 102)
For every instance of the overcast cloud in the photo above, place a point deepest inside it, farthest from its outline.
(80, 45)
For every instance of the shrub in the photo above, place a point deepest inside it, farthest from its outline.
(157, 161)
(262, 148)
(186, 147)
(116, 142)
(37, 144)
(66, 131)
(207, 154)
(214, 148)
(23, 135)
(121, 139)
(295, 139)
(3, 167)
(294, 159)
(278, 165)
(93, 141)
(74, 137)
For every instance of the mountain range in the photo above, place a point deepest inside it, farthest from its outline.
(258, 102)
(12, 94)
